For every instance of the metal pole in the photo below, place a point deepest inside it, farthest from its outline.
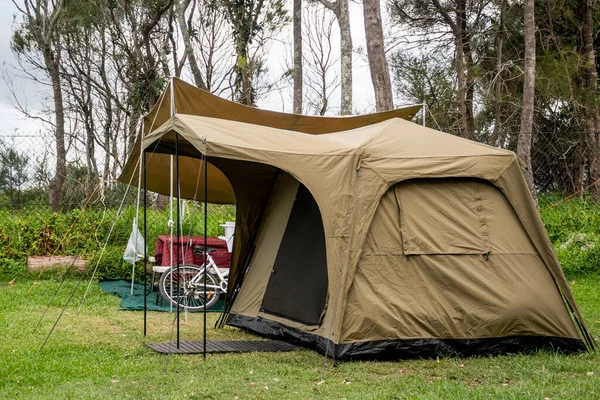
(145, 247)
(205, 249)
(178, 222)
(171, 231)
(137, 203)
(424, 112)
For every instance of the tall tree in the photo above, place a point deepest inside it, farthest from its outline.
(494, 138)
(40, 32)
(462, 20)
(342, 14)
(526, 133)
(592, 120)
(186, 29)
(249, 20)
(297, 76)
(13, 172)
(319, 70)
(380, 74)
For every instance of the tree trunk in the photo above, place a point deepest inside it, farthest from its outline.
(578, 170)
(498, 83)
(52, 60)
(342, 14)
(380, 74)
(463, 64)
(592, 123)
(343, 17)
(298, 75)
(526, 134)
(180, 8)
(462, 87)
(469, 70)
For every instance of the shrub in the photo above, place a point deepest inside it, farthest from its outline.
(574, 229)
(37, 231)
(10, 269)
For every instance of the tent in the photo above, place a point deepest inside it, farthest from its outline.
(369, 236)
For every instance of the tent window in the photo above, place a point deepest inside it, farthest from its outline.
(442, 216)
(297, 288)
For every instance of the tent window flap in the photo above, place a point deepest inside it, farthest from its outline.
(297, 288)
(442, 216)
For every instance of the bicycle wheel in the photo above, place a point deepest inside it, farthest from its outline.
(184, 287)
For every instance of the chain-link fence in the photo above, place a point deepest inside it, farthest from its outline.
(97, 212)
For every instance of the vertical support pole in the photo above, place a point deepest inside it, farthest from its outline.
(137, 203)
(205, 244)
(145, 247)
(178, 221)
(424, 112)
(171, 231)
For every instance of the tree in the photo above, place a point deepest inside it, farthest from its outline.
(500, 32)
(380, 74)
(251, 19)
(319, 73)
(297, 75)
(341, 11)
(526, 133)
(13, 172)
(186, 29)
(592, 119)
(461, 21)
(428, 78)
(39, 33)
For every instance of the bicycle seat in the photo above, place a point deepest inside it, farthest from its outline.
(199, 250)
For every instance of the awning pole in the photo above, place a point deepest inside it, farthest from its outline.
(205, 244)
(179, 239)
(137, 205)
(145, 247)
(171, 231)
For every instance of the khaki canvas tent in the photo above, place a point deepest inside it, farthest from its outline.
(368, 236)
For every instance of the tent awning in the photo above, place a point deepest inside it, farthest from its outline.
(182, 98)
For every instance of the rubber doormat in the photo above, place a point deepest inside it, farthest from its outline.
(223, 346)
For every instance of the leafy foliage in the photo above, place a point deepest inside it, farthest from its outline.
(40, 232)
(573, 229)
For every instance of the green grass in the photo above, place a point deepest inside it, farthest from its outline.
(100, 352)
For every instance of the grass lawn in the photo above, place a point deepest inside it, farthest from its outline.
(100, 352)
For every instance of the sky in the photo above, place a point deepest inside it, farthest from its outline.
(12, 121)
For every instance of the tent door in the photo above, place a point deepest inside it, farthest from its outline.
(297, 288)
